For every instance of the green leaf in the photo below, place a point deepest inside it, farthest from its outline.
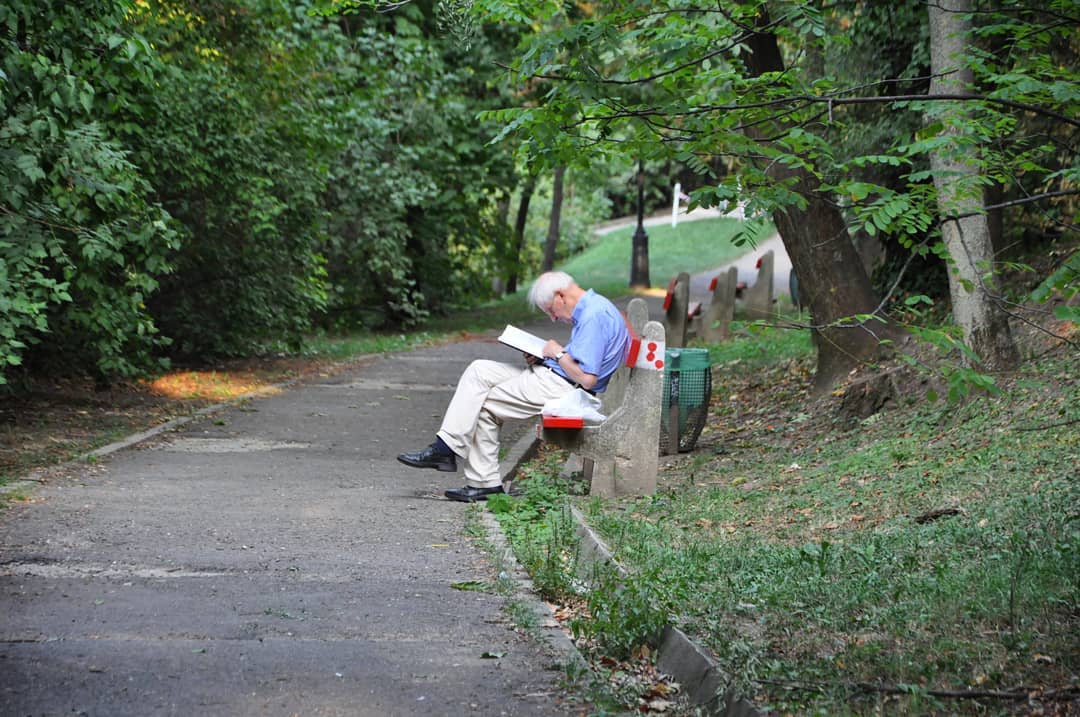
(1067, 313)
(471, 585)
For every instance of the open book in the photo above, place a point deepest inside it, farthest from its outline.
(523, 341)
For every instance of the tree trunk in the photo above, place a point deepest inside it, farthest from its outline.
(972, 287)
(832, 281)
(519, 233)
(556, 216)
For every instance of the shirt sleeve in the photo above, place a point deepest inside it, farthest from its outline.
(588, 344)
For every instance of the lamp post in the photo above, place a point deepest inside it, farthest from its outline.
(639, 260)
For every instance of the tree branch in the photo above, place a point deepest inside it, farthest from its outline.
(832, 100)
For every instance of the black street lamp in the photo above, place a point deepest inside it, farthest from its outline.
(639, 260)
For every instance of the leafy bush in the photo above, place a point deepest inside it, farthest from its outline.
(232, 138)
(82, 245)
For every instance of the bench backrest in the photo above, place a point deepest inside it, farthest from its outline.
(637, 315)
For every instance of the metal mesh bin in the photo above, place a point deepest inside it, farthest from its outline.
(687, 387)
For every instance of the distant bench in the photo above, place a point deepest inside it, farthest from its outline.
(679, 311)
(621, 454)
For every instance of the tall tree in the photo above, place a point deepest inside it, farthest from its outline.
(735, 80)
(552, 242)
(691, 82)
(959, 182)
(833, 282)
(519, 232)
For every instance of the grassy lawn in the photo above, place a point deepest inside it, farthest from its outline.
(691, 246)
(890, 563)
(924, 560)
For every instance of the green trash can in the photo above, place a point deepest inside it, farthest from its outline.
(687, 387)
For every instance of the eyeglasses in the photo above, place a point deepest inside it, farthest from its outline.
(550, 310)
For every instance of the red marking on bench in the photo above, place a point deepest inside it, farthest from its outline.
(632, 354)
(563, 421)
(670, 293)
(694, 310)
(712, 284)
(651, 348)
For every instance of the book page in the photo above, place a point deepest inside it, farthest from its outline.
(523, 341)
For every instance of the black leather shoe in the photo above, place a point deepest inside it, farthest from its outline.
(468, 494)
(430, 457)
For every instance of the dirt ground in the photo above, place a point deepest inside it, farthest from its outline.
(57, 420)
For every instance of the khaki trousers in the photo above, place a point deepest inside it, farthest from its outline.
(489, 393)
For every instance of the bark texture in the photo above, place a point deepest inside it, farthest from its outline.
(519, 232)
(964, 228)
(556, 218)
(832, 281)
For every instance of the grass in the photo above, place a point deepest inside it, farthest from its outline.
(691, 246)
(922, 561)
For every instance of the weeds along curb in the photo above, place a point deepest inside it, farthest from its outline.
(677, 655)
(548, 629)
(688, 663)
(543, 625)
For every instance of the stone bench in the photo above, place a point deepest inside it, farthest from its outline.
(621, 454)
(759, 297)
(717, 318)
(679, 313)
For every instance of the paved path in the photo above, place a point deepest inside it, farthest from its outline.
(271, 559)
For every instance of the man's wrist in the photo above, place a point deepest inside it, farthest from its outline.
(558, 356)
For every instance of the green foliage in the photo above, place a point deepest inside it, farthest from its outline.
(232, 139)
(932, 546)
(955, 363)
(83, 244)
(622, 614)
(843, 124)
(413, 193)
(539, 527)
(1064, 281)
(308, 167)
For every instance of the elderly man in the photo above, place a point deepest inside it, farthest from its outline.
(491, 392)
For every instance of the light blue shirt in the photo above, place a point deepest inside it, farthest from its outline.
(599, 339)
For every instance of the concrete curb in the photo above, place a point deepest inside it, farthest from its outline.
(548, 629)
(690, 665)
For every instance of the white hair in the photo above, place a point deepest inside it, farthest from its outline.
(542, 292)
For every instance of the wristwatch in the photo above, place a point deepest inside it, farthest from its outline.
(558, 356)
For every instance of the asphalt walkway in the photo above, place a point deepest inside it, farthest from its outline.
(272, 558)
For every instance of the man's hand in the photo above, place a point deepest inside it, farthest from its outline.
(552, 348)
(530, 359)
